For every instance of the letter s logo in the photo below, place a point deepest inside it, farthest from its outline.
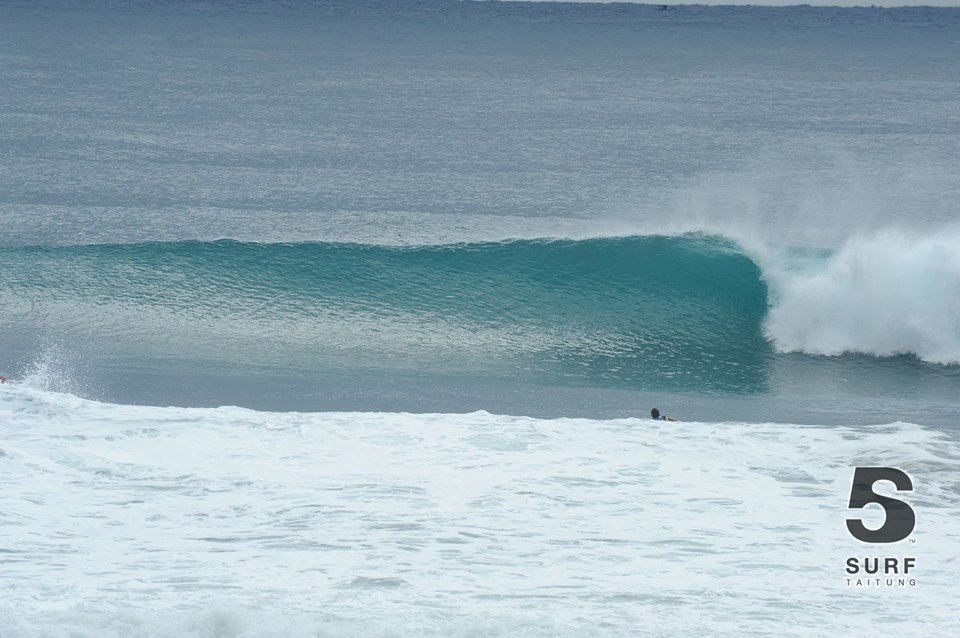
(900, 517)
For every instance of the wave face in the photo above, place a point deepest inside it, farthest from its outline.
(640, 312)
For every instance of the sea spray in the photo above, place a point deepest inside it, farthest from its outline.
(882, 294)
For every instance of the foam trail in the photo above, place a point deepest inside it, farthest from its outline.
(884, 295)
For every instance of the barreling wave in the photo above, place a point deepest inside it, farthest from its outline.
(685, 313)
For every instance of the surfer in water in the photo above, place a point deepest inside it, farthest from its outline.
(3, 379)
(656, 416)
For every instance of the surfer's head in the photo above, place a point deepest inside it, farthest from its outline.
(655, 413)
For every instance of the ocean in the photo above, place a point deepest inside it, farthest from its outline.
(346, 318)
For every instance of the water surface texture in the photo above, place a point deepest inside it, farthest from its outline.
(344, 318)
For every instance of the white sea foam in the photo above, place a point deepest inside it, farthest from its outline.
(884, 294)
(140, 521)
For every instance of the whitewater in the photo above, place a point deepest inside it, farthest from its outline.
(229, 522)
(346, 318)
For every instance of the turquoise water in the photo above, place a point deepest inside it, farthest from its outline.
(679, 314)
